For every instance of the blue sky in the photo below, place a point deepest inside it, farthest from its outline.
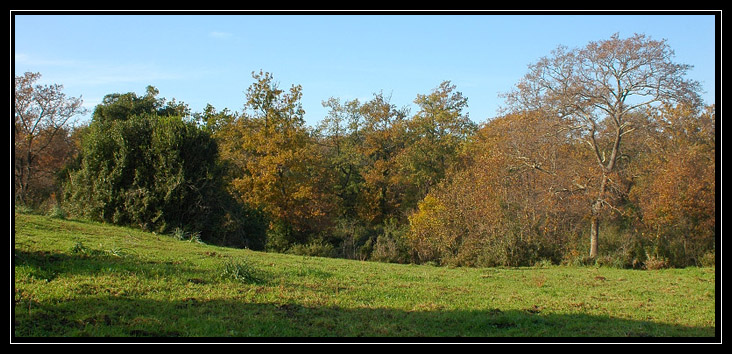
(198, 58)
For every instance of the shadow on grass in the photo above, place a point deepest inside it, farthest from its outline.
(135, 317)
(229, 320)
(43, 265)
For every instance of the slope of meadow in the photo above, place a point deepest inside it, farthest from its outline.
(82, 279)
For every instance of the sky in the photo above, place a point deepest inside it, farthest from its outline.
(201, 58)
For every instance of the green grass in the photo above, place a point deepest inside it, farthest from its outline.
(83, 279)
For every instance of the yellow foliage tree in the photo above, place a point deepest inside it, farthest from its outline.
(274, 161)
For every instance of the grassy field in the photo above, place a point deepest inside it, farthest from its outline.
(81, 279)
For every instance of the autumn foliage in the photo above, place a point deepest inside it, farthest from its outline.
(524, 194)
(676, 194)
(603, 148)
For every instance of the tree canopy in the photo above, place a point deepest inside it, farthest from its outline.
(604, 147)
(593, 91)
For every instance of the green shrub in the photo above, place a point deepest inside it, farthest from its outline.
(392, 244)
(708, 260)
(279, 236)
(314, 248)
(656, 262)
(80, 249)
(543, 263)
(57, 212)
(23, 209)
(182, 235)
(610, 261)
(350, 235)
(156, 173)
(241, 271)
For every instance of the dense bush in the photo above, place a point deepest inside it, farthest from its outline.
(157, 173)
(391, 243)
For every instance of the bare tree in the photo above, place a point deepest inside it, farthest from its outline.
(41, 114)
(590, 93)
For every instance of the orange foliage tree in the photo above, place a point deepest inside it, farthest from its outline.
(41, 128)
(511, 204)
(676, 195)
(594, 90)
(271, 154)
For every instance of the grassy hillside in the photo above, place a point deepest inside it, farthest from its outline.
(82, 279)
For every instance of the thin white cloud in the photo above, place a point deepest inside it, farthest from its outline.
(126, 73)
(85, 73)
(220, 35)
(25, 59)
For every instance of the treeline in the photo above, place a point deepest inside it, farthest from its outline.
(605, 149)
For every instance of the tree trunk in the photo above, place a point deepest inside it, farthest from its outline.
(595, 222)
(594, 228)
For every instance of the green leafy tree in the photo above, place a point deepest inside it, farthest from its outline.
(158, 173)
(341, 137)
(214, 121)
(384, 138)
(124, 106)
(437, 134)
